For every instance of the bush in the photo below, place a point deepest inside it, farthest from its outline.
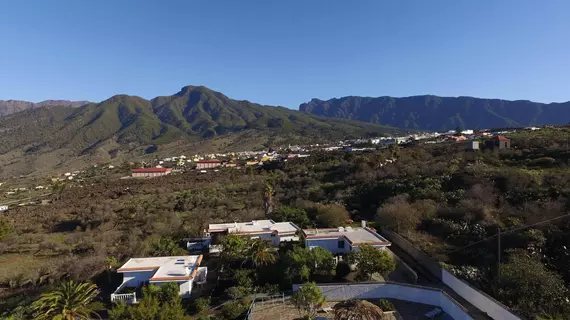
(342, 269)
(233, 310)
(202, 304)
(331, 215)
(386, 305)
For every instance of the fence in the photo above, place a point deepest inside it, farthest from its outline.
(392, 290)
(264, 299)
(482, 301)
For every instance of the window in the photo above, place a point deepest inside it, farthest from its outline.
(341, 244)
(273, 235)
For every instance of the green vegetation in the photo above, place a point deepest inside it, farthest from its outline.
(441, 113)
(442, 199)
(308, 299)
(70, 301)
(157, 303)
(369, 260)
(127, 126)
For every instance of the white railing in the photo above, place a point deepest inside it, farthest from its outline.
(124, 297)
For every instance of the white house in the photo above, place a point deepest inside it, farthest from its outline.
(343, 240)
(184, 270)
(3, 208)
(268, 230)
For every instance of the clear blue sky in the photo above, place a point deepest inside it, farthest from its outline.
(285, 52)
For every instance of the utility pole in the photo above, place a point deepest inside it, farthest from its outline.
(498, 253)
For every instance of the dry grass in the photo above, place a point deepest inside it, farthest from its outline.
(12, 265)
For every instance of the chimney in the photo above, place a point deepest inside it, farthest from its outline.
(363, 223)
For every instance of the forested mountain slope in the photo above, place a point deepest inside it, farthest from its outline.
(128, 125)
(441, 113)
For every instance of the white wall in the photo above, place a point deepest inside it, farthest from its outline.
(134, 279)
(434, 297)
(476, 298)
(331, 244)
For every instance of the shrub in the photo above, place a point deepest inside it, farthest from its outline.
(202, 304)
(342, 269)
(386, 305)
(233, 310)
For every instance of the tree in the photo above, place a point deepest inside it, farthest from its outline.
(70, 301)
(304, 262)
(296, 215)
(370, 260)
(458, 130)
(357, 310)
(308, 299)
(112, 263)
(342, 269)
(331, 215)
(268, 193)
(5, 228)
(160, 303)
(160, 247)
(525, 284)
(233, 249)
(321, 260)
(398, 214)
(261, 254)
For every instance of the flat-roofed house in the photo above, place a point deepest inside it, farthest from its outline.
(183, 270)
(150, 172)
(208, 164)
(268, 230)
(343, 240)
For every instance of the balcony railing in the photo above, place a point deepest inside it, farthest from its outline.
(128, 298)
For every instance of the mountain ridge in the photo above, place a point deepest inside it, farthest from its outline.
(123, 127)
(430, 112)
(12, 106)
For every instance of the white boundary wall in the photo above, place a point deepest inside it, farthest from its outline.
(476, 298)
(483, 302)
(418, 294)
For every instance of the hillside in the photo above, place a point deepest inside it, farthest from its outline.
(440, 113)
(12, 106)
(123, 127)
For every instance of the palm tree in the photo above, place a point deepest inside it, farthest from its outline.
(357, 310)
(70, 301)
(261, 254)
(268, 198)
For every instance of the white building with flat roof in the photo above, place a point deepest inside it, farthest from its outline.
(183, 270)
(268, 230)
(343, 240)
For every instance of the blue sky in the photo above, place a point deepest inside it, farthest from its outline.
(285, 52)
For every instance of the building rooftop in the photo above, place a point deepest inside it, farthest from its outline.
(209, 161)
(165, 268)
(255, 226)
(148, 170)
(355, 236)
(500, 138)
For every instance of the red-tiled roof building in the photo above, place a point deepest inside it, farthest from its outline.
(208, 164)
(498, 142)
